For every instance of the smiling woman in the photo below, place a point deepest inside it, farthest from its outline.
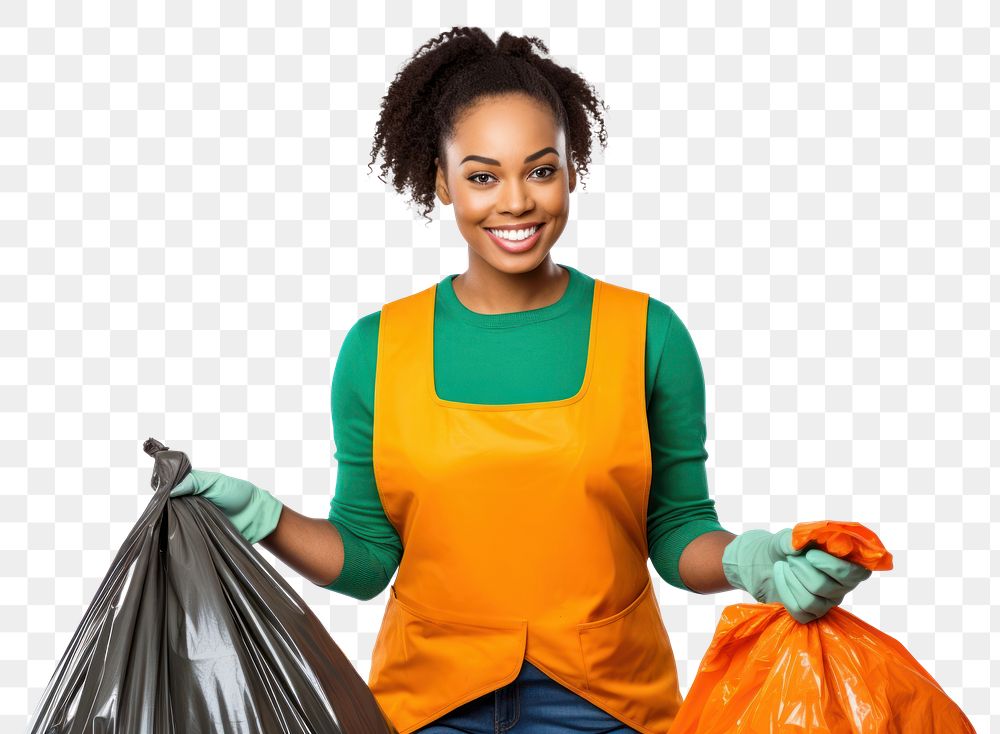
(501, 133)
(514, 205)
(523, 594)
(518, 440)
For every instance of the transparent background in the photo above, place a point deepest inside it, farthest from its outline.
(188, 227)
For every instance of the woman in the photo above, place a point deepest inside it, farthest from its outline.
(528, 434)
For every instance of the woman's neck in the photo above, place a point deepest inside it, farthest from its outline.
(486, 290)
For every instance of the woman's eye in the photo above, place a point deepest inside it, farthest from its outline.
(476, 178)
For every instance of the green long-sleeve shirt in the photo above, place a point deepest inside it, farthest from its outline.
(524, 356)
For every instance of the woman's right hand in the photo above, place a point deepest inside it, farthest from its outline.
(253, 511)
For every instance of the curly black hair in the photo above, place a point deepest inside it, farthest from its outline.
(460, 67)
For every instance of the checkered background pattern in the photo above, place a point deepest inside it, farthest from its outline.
(188, 228)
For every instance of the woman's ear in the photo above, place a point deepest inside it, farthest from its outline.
(572, 178)
(441, 184)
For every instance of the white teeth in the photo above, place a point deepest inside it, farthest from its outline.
(514, 235)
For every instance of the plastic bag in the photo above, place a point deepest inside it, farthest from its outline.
(191, 631)
(765, 672)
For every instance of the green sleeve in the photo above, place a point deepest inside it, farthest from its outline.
(372, 549)
(680, 508)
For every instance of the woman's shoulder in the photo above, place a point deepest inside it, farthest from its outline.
(360, 344)
(667, 322)
(659, 314)
(659, 311)
(665, 327)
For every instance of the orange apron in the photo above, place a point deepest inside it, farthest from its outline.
(523, 528)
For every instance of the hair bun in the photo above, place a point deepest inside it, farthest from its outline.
(520, 46)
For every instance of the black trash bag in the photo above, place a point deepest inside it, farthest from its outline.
(193, 632)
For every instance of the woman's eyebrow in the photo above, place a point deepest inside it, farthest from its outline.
(491, 162)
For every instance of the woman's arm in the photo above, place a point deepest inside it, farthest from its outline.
(372, 548)
(680, 509)
(701, 563)
(310, 545)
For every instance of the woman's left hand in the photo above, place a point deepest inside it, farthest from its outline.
(807, 582)
(811, 584)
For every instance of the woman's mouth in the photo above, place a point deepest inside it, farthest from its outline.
(523, 244)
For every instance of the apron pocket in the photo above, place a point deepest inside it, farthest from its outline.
(426, 662)
(628, 658)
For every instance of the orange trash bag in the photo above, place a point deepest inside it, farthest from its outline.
(766, 673)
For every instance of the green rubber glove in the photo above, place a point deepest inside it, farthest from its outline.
(253, 511)
(809, 583)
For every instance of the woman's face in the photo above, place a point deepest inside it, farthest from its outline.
(507, 166)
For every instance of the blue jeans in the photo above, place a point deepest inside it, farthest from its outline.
(532, 703)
